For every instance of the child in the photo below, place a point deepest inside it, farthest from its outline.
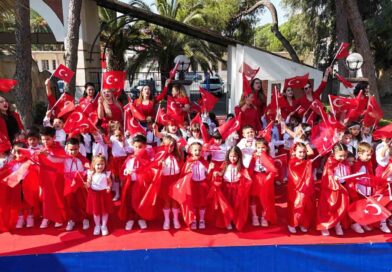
(195, 135)
(334, 200)
(119, 155)
(171, 166)
(364, 164)
(263, 171)
(58, 124)
(51, 181)
(100, 144)
(300, 189)
(33, 140)
(191, 190)
(382, 155)
(247, 145)
(99, 202)
(133, 183)
(74, 192)
(152, 140)
(234, 182)
(346, 140)
(217, 150)
(354, 128)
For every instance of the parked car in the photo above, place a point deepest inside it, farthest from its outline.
(193, 76)
(214, 85)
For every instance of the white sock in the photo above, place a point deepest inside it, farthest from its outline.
(175, 213)
(253, 209)
(166, 214)
(105, 218)
(97, 220)
(202, 212)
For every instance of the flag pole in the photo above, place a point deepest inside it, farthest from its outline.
(156, 116)
(58, 100)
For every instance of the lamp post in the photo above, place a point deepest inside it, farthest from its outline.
(354, 63)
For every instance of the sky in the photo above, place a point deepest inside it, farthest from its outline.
(265, 17)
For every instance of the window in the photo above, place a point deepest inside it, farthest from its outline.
(53, 64)
(45, 64)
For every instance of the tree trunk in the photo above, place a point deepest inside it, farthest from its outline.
(362, 44)
(115, 60)
(275, 26)
(23, 61)
(72, 41)
(342, 32)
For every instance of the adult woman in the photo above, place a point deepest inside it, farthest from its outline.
(250, 115)
(10, 123)
(180, 97)
(364, 87)
(109, 109)
(88, 94)
(306, 100)
(287, 102)
(259, 97)
(146, 102)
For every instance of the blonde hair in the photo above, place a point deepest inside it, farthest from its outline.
(106, 105)
(95, 160)
(243, 99)
(181, 90)
(140, 98)
(364, 147)
(170, 140)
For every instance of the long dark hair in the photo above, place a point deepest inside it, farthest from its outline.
(89, 84)
(260, 93)
(238, 152)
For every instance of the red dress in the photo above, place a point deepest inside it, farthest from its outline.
(263, 186)
(149, 109)
(334, 200)
(285, 106)
(229, 200)
(134, 187)
(249, 117)
(191, 194)
(300, 204)
(99, 200)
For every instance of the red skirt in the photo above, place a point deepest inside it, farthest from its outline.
(230, 191)
(115, 165)
(199, 191)
(99, 202)
(166, 183)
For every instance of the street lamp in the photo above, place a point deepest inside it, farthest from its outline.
(354, 61)
(183, 65)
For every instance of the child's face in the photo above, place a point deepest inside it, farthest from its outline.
(137, 147)
(300, 152)
(18, 155)
(354, 131)
(47, 140)
(294, 122)
(366, 130)
(195, 151)
(73, 149)
(196, 133)
(365, 156)
(340, 155)
(119, 136)
(172, 128)
(233, 157)
(350, 160)
(99, 166)
(169, 146)
(32, 141)
(260, 147)
(58, 123)
(218, 141)
(248, 133)
(346, 139)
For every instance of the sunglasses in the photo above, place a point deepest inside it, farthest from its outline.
(307, 87)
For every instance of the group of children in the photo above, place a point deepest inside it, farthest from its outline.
(172, 171)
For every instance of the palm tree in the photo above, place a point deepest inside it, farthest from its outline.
(153, 44)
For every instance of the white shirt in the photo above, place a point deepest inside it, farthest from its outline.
(340, 171)
(382, 161)
(61, 136)
(130, 167)
(218, 153)
(99, 181)
(118, 147)
(231, 174)
(199, 171)
(259, 167)
(151, 139)
(100, 148)
(72, 165)
(170, 166)
(247, 148)
(87, 142)
(362, 189)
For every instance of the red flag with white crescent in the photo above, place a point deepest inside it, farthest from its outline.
(248, 71)
(63, 104)
(230, 126)
(368, 211)
(344, 81)
(113, 80)
(297, 82)
(208, 100)
(342, 52)
(246, 88)
(133, 126)
(64, 73)
(281, 164)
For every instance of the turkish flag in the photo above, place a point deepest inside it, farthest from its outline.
(5, 144)
(208, 100)
(345, 82)
(17, 176)
(7, 84)
(297, 82)
(63, 103)
(162, 118)
(246, 88)
(135, 112)
(195, 107)
(248, 71)
(77, 121)
(373, 113)
(281, 164)
(339, 103)
(181, 143)
(132, 125)
(64, 73)
(230, 126)
(368, 211)
(113, 80)
(317, 107)
(322, 137)
(266, 133)
(383, 132)
(342, 52)
(174, 111)
(68, 107)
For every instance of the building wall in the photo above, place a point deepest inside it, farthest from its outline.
(53, 58)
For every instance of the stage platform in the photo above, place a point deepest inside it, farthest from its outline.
(253, 249)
